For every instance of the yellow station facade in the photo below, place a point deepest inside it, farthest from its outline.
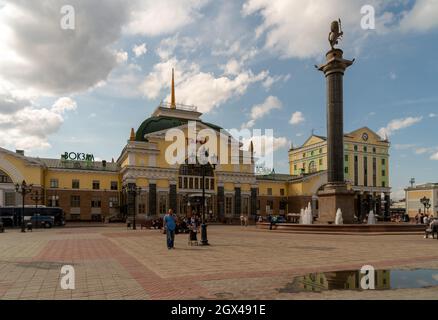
(92, 190)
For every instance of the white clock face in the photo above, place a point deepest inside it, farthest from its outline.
(365, 136)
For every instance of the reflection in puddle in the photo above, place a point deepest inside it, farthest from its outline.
(351, 280)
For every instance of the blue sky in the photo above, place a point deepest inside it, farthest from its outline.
(243, 63)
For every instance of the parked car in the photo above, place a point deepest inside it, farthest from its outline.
(43, 221)
(279, 219)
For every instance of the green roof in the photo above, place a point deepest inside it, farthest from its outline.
(155, 124)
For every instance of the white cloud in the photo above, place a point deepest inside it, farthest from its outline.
(154, 18)
(270, 81)
(121, 57)
(58, 61)
(404, 146)
(299, 29)
(398, 124)
(260, 110)
(297, 118)
(264, 147)
(392, 75)
(195, 87)
(422, 17)
(434, 156)
(140, 49)
(30, 127)
(64, 104)
(232, 67)
(167, 47)
(433, 115)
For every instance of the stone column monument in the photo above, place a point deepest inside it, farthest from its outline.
(335, 194)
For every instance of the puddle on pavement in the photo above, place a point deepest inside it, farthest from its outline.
(351, 280)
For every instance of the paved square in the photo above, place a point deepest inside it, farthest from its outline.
(112, 262)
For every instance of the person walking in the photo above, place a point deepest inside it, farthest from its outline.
(170, 225)
(241, 220)
(245, 220)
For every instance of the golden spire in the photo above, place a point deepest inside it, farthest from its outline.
(172, 102)
(132, 137)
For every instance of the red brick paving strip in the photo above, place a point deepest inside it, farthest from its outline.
(78, 250)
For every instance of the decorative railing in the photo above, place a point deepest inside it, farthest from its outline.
(179, 106)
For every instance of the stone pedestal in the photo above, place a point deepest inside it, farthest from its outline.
(332, 198)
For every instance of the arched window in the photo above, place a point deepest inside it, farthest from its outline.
(4, 178)
(312, 167)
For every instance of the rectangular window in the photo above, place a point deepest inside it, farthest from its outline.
(162, 204)
(383, 162)
(346, 158)
(185, 183)
(245, 205)
(141, 208)
(281, 192)
(96, 203)
(75, 184)
(304, 155)
(75, 201)
(180, 182)
(269, 191)
(206, 183)
(114, 185)
(374, 172)
(10, 198)
(374, 150)
(320, 151)
(54, 183)
(355, 148)
(228, 205)
(356, 171)
(113, 202)
(295, 167)
(320, 162)
(190, 183)
(211, 184)
(365, 171)
(96, 184)
(365, 149)
(383, 173)
(383, 184)
(346, 170)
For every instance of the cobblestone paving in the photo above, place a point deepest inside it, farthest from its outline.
(112, 262)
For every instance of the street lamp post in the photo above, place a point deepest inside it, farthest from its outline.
(132, 190)
(36, 197)
(23, 189)
(204, 165)
(426, 203)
